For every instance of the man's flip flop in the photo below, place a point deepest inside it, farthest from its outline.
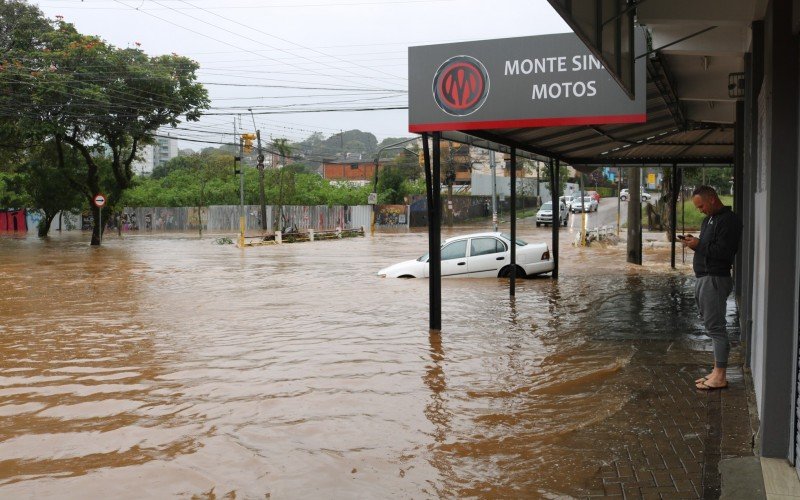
(705, 387)
(701, 379)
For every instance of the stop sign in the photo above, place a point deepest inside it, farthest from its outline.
(99, 200)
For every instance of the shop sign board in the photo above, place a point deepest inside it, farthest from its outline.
(536, 81)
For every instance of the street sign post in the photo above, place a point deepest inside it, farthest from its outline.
(100, 201)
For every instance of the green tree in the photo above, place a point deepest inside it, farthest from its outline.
(91, 97)
(206, 168)
(718, 177)
(48, 187)
(35, 182)
(562, 178)
(12, 191)
(397, 179)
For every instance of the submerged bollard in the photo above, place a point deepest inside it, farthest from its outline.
(278, 237)
(310, 235)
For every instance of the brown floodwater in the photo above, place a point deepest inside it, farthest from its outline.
(170, 365)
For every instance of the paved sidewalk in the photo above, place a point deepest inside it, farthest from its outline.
(668, 439)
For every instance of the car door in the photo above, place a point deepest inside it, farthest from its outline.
(486, 256)
(454, 258)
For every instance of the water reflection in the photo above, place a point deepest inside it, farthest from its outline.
(436, 410)
(294, 370)
(80, 365)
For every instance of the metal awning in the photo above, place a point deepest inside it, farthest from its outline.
(666, 137)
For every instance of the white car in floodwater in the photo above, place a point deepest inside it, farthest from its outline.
(479, 255)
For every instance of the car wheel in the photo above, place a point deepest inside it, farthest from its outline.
(506, 272)
(623, 198)
(538, 224)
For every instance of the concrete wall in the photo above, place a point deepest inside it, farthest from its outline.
(526, 186)
(772, 286)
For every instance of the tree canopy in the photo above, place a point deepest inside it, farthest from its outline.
(88, 96)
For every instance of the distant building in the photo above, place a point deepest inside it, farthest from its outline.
(154, 155)
(334, 170)
(143, 165)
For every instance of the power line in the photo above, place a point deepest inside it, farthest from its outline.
(333, 110)
(394, 77)
(224, 84)
(209, 36)
(258, 7)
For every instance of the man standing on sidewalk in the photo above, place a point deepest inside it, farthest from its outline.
(713, 259)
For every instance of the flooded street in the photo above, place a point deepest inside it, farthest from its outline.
(158, 366)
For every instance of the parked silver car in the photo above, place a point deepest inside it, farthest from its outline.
(589, 204)
(545, 214)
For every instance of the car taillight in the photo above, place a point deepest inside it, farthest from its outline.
(546, 255)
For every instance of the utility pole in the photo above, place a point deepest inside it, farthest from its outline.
(493, 167)
(635, 216)
(261, 195)
(583, 213)
(237, 162)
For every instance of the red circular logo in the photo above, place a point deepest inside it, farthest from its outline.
(461, 85)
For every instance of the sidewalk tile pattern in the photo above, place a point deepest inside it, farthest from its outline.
(667, 440)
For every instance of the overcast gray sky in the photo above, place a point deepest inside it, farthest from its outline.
(279, 55)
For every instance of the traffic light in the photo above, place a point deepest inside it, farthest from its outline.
(248, 142)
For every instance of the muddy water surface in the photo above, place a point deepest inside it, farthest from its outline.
(158, 366)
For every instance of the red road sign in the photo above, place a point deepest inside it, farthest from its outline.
(99, 200)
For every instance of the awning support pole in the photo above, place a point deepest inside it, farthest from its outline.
(513, 270)
(432, 191)
(673, 216)
(554, 195)
(558, 234)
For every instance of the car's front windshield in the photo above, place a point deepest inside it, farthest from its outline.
(547, 206)
(424, 258)
(520, 243)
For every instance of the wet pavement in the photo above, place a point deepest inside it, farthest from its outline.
(160, 366)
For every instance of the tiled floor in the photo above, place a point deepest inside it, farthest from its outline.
(668, 440)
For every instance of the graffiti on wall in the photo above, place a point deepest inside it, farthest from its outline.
(390, 215)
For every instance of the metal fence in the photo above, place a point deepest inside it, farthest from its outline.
(225, 218)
